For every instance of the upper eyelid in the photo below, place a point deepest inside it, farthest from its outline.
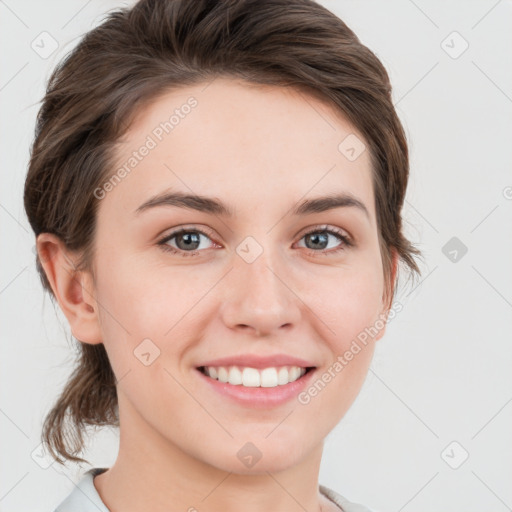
(324, 227)
(177, 231)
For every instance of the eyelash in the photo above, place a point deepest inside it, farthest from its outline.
(346, 241)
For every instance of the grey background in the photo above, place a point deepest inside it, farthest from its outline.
(441, 374)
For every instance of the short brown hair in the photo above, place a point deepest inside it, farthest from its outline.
(137, 54)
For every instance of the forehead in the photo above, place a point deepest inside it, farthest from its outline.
(253, 146)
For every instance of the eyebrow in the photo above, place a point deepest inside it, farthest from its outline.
(217, 207)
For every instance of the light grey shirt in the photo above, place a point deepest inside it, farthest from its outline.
(85, 497)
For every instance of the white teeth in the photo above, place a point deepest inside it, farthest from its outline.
(282, 376)
(235, 376)
(253, 378)
(294, 373)
(223, 374)
(269, 378)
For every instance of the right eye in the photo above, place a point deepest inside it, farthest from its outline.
(186, 241)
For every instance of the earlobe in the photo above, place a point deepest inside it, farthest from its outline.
(73, 289)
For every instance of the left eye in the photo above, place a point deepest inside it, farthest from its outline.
(320, 239)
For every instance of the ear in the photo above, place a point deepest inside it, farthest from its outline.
(387, 307)
(73, 289)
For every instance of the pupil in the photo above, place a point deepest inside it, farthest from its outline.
(188, 237)
(315, 239)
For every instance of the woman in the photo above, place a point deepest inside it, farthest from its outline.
(216, 188)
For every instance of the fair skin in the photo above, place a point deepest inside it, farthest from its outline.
(261, 151)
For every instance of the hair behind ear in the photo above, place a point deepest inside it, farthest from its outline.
(89, 398)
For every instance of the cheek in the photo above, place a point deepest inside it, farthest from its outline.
(347, 302)
(351, 307)
(140, 302)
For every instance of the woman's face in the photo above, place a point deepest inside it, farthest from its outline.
(248, 283)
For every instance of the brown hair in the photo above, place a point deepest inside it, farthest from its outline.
(139, 53)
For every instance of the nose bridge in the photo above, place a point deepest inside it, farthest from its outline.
(259, 295)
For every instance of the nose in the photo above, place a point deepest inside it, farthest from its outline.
(259, 297)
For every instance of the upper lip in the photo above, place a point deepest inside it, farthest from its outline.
(255, 361)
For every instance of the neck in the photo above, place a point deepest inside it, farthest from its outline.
(152, 473)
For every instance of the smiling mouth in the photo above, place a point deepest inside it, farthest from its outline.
(252, 378)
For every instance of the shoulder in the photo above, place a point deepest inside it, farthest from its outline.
(84, 497)
(344, 503)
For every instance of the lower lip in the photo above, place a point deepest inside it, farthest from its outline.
(259, 396)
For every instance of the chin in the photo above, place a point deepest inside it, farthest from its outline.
(259, 456)
(265, 465)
